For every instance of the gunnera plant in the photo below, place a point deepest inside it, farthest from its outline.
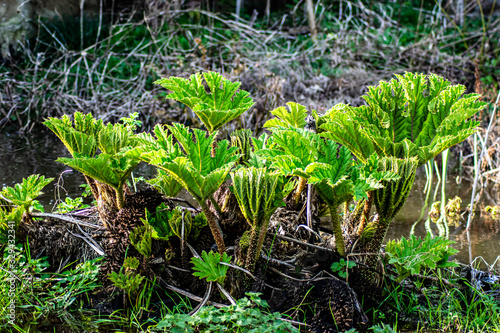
(193, 167)
(406, 122)
(107, 172)
(259, 193)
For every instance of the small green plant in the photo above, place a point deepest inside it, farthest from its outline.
(140, 238)
(76, 281)
(69, 205)
(208, 266)
(128, 279)
(131, 122)
(159, 222)
(19, 201)
(23, 194)
(411, 256)
(168, 222)
(196, 169)
(247, 316)
(87, 192)
(342, 267)
(39, 292)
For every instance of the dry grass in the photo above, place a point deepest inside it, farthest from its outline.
(113, 77)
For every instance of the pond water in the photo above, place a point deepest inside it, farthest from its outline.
(23, 155)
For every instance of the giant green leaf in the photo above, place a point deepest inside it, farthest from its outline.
(80, 136)
(221, 104)
(411, 115)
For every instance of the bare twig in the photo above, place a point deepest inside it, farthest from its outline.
(189, 295)
(204, 301)
(67, 219)
(90, 243)
(293, 240)
(226, 293)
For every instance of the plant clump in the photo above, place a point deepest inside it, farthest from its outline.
(365, 156)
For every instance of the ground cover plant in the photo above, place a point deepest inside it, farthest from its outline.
(241, 223)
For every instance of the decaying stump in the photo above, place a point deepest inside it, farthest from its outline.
(62, 242)
(126, 220)
(327, 303)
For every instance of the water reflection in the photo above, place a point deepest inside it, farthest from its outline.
(419, 217)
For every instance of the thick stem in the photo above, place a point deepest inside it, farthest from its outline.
(300, 188)
(106, 202)
(119, 197)
(93, 187)
(376, 243)
(345, 209)
(216, 205)
(252, 250)
(216, 232)
(366, 213)
(337, 230)
(356, 215)
(262, 237)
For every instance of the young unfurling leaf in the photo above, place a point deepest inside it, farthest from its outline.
(222, 104)
(24, 194)
(209, 267)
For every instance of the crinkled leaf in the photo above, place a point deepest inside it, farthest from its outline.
(115, 137)
(140, 238)
(412, 255)
(296, 117)
(165, 184)
(23, 194)
(79, 136)
(257, 193)
(111, 170)
(412, 115)
(208, 266)
(222, 104)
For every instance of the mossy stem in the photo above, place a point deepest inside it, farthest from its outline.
(300, 188)
(216, 232)
(119, 197)
(381, 226)
(366, 212)
(337, 230)
(252, 252)
(93, 186)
